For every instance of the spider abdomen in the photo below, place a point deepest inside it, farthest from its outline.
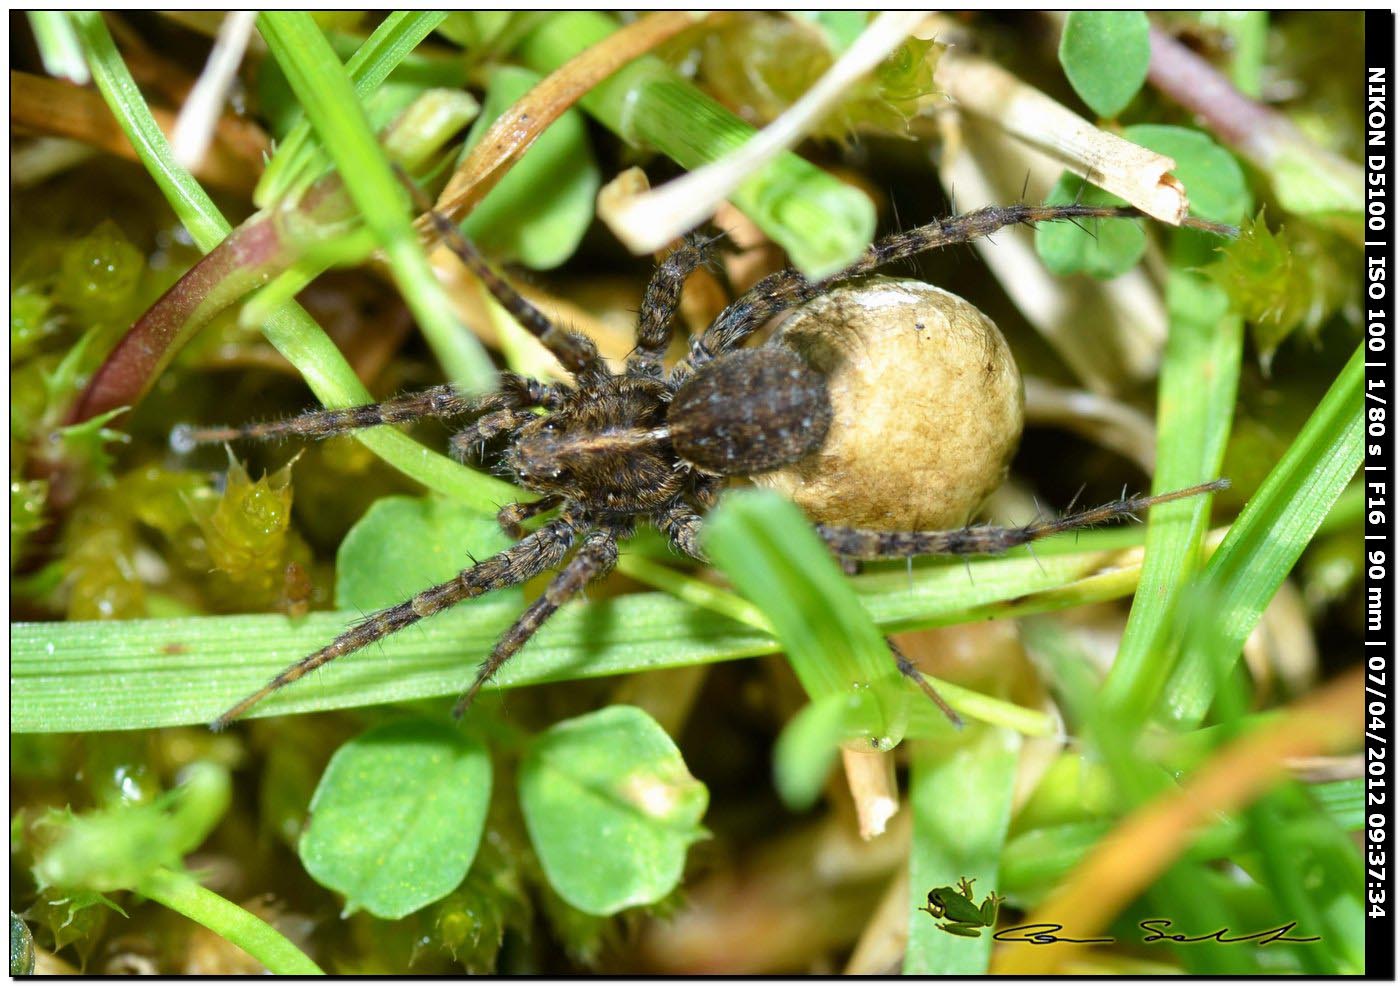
(750, 411)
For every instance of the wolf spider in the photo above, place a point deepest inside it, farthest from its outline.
(611, 449)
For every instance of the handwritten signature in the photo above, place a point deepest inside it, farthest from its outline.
(1157, 930)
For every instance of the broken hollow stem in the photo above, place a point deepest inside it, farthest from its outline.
(1133, 173)
(870, 775)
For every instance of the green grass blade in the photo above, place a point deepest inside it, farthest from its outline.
(1200, 375)
(262, 941)
(133, 674)
(392, 41)
(768, 550)
(59, 48)
(1267, 539)
(962, 806)
(328, 97)
(294, 333)
(1344, 800)
(195, 210)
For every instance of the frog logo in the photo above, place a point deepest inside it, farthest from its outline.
(958, 914)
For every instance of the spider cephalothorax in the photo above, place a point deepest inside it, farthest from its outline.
(612, 449)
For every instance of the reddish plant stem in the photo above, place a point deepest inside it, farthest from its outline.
(246, 259)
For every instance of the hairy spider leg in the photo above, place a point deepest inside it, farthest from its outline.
(521, 561)
(788, 288)
(855, 542)
(660, 302)
(573, 349)
(443, 401)
(593, 560)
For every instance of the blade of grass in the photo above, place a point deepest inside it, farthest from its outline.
(767, 548)
(319, 81)
(1264, 543)
(392, 41)
(1200, 375)
(962, 805)
(1136, 781)
(294, 333)
(179, 892)
(135, 674)
(195, 210)
(58, 46)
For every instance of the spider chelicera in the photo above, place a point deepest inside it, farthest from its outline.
(645, 444)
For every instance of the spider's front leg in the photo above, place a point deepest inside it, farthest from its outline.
(518, 563)
(577, 352)
(593, 561)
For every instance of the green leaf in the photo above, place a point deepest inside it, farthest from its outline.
(540, 210)
(961, 801)
(474, 29)
(404, 544)
(1105, 55)
(611, 809)
(426, 126)
(1097, 247)
(840, 28)
(1247, 32)
(1213, 178)
(397, 817)
(1309, 182)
